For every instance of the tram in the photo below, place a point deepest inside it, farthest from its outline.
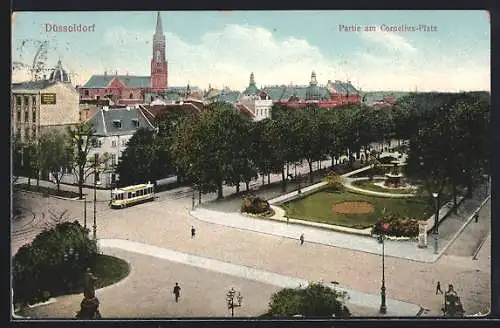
(131, 195)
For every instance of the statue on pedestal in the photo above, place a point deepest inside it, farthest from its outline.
(89, 307)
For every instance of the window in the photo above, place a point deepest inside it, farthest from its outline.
(97, 178)
(124, 142)
(18, 133)
(129, 195)
(86, 93)
(18, 115)
(117, 124)
(26, 116)
(131, 95)
(33, 115)
(33, 101)
(135, 122)
(26, 132)
(113, 159)
(33, 129)
(113, 143)
(18, 100)
(113, 178)
(26, 101)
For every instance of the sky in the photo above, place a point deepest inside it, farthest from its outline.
(450, 52)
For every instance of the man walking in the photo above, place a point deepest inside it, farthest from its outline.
(438, 288)
(177, 292)
(193, 232)
(301, 239)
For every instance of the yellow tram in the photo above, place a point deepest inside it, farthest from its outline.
(131, 195)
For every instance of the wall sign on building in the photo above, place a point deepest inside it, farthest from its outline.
(48, 99)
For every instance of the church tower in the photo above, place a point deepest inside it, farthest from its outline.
(159, 65)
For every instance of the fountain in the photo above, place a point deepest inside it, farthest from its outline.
(394, 179)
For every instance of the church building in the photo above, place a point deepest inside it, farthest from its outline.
(132, 89)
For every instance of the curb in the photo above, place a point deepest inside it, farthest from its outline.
(455, 236)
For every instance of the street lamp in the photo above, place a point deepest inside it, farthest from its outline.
(96, 159)
(299, 190)
(435, 195)
(230, 299)
(383, 305)
(486, 184)
(193, 198)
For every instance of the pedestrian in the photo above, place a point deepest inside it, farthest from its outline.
(438, 288)
(193, 232)
(287, 220)
(177, 292)
(301, 239)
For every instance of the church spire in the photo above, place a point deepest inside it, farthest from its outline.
(313, 79)
(159, 25)
(252, 79)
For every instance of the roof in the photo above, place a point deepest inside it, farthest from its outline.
(32, 85)
(284, 93)
(342, 87)
(227, 96)
(154, 112)
(242, 108)
(131, 81)
(251, 90)
(134, 187)
(103, 121)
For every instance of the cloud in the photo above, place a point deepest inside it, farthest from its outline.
(390, 41)
(227, 56)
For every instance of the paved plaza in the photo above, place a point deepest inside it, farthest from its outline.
(274, 251)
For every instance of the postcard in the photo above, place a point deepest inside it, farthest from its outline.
(250, 164)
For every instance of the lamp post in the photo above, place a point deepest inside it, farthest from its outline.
(383, 305)
(299, 190)
(233, 300)
(85, 212)
(435, 195)
(96, 158)
(486, 184)
(193, 198)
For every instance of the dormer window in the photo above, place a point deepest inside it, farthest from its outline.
(135, 122)
(117, 124)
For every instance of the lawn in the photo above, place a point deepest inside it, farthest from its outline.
(46, 190)
(368, 185)
(317, 207)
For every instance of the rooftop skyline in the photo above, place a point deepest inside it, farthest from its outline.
(279, 47)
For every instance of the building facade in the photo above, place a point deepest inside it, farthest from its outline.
(37, 106)
(113, 129)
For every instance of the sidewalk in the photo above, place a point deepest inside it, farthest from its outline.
(401, 249)
(396, 308)
(102, 195)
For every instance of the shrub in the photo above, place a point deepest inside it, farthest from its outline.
(316, 300)
(256, 205)
(52, 263)
(397, 227)
(335, 181)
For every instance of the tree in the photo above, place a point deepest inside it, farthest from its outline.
(17, 158)
(81, 141)
(54, 146)
(264, 148)
(138, 162)
(33, 159)
(205, 146)
(314, 301)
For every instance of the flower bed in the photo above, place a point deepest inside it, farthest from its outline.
(396, 227)
(256, 206)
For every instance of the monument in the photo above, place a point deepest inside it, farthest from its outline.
(89, 307)
(394, 179)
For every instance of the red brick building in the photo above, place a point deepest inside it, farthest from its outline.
(131, 89)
